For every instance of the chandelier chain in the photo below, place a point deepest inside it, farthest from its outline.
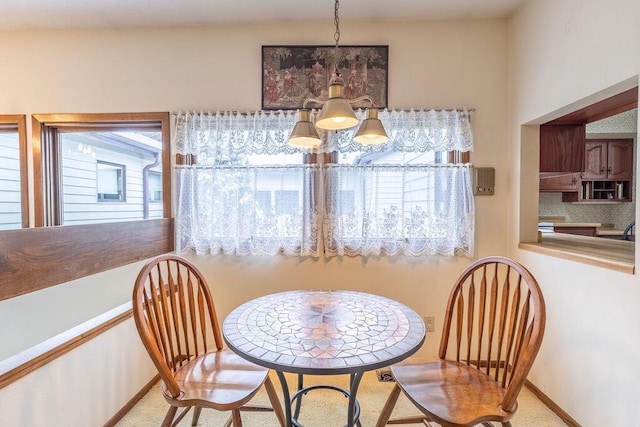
(336, 21)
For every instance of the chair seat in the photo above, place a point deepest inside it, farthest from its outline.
(451, 393)
(220, 380)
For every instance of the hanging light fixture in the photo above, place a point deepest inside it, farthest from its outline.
(304, 134)
(337, 112)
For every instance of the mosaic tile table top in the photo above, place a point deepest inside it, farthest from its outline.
(323, 332)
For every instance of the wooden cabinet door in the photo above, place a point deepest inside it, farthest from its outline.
(562, 148)
(595, 163)
(563, 182)
(620, 159)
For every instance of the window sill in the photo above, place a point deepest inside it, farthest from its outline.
(618, 255)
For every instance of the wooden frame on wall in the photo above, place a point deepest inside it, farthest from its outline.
(291, 74)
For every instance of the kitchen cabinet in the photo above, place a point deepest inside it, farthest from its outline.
(560, 182)
(608, 173)
(608, 159)
(589, 231)
(562, 148)
(600, 191)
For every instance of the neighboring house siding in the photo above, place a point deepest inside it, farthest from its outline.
(79, 180)
(10, 209)
(155, 210)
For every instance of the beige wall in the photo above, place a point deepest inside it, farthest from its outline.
(432, 65)
(564, 55)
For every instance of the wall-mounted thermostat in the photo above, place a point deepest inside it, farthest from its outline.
(484, 181)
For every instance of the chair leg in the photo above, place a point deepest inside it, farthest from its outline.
(235, 416)
(196, 415)
(275, 401)
(168, 419)
(385, 414)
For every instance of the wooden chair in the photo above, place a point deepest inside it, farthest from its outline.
(629, 232)
(176, 319)
(492, 331)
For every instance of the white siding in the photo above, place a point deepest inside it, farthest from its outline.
(10, 209)
(81, 205)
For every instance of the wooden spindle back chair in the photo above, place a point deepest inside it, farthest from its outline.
(176, 319)
(492, 331)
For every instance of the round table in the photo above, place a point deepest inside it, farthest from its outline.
(323, 332)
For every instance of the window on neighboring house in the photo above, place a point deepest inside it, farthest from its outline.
(155, 186)
(100, 168)
(411, 196)
(13, 186)
(110, 182)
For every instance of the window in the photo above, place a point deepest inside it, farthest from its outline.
(13, 184)
(110, 179)
(84, 244)
(406, 197)
(110, 168)
(155, 187)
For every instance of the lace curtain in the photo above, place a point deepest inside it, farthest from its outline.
(229, 210)
(399, 210)
(226, 205)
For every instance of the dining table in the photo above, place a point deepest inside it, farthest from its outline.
(323, 332)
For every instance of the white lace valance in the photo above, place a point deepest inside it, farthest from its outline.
(217, 137)
(267, 132)
(412, 131)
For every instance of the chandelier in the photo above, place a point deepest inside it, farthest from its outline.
(337, 112)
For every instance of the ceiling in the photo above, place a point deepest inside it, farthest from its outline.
(49, 14)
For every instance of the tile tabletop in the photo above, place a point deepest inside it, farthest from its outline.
(323, 332)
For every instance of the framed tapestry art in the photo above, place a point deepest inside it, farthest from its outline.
(292, 74)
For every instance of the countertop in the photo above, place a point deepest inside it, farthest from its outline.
(602, 228)
(582, 224)
(608, 253)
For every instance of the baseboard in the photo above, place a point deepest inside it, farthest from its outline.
(131, 403)
(566, 418)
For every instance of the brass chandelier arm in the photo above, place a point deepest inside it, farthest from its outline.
(350, 101)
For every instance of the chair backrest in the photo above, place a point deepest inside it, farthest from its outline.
(495, 321)
(174, 314)
(629, 233)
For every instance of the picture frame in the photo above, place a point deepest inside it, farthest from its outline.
(292, 75)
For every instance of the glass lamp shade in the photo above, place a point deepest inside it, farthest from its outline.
(371, 131)
(304, 134)
(336, 113)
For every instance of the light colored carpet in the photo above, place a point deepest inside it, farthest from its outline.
(323, 408)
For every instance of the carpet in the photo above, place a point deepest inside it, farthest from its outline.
(324, 408)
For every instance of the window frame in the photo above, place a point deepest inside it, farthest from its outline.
(47, 171)
(18, 123)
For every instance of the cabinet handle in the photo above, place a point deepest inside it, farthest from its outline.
(573, 180)
(602, 169)
(609, 169)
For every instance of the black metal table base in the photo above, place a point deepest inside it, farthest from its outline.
(353, 411)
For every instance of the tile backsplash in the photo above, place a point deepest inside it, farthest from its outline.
(619, 214)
